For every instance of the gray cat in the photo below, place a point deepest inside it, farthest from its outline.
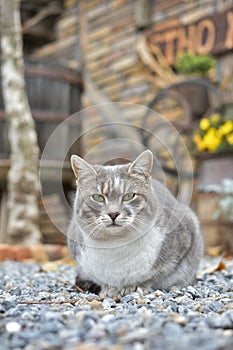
(128, 230)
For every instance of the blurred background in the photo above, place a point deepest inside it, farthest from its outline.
(175, 58)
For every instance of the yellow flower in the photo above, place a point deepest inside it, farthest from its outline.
(199, 142)
(230, 139)
(226, 128)
(214, 134)
(215, 118)
(204, 124)
(212, 140)
(201, 146)
(196, 138)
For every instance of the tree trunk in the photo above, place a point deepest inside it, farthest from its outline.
(23, 179)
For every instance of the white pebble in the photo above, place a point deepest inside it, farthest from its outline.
(108, 317)
(13, 327)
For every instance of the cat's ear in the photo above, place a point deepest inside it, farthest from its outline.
(142, 164)
(81, 168)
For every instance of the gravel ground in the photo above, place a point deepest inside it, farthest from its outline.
(56, 316)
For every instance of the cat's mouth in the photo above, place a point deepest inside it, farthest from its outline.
(114, 225)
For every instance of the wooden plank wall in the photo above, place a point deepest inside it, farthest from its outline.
(110, 50)
(101, 37)
(66, 48)
(110, 41)
(111, 57)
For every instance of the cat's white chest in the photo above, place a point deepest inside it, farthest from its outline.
(121, 266)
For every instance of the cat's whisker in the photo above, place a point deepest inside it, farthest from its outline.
(96, 228)
(134, 229)
(90, 227)
(143, 236)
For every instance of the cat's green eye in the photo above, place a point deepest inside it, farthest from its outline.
(128, 196)
(98, 198)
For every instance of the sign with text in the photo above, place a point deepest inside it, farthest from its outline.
(210, 35)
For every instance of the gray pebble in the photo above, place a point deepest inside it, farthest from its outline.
(128, 298)
(196, 317)
(7, 304)
(109, 303)
(224, 321)
(15, 291)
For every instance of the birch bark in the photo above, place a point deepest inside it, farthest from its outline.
(23, 179)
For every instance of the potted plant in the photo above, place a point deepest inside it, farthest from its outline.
(197, 74)
(213, 148)
(190, 64)
(214, 135)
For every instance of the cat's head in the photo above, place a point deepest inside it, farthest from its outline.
(111, 198)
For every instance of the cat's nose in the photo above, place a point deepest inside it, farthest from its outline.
(113, 216)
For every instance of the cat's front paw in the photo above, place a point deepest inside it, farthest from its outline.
(113, 292)
(127, 290)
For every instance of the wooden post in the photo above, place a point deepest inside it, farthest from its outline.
(142, 13)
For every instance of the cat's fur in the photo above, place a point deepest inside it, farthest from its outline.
(157, 244)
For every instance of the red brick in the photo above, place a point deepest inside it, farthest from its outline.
(40, 253)
(22, 252)
(6, 252)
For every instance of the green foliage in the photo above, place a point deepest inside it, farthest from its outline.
(187, 63)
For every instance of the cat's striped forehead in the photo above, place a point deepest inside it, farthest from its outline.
(112, 179)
